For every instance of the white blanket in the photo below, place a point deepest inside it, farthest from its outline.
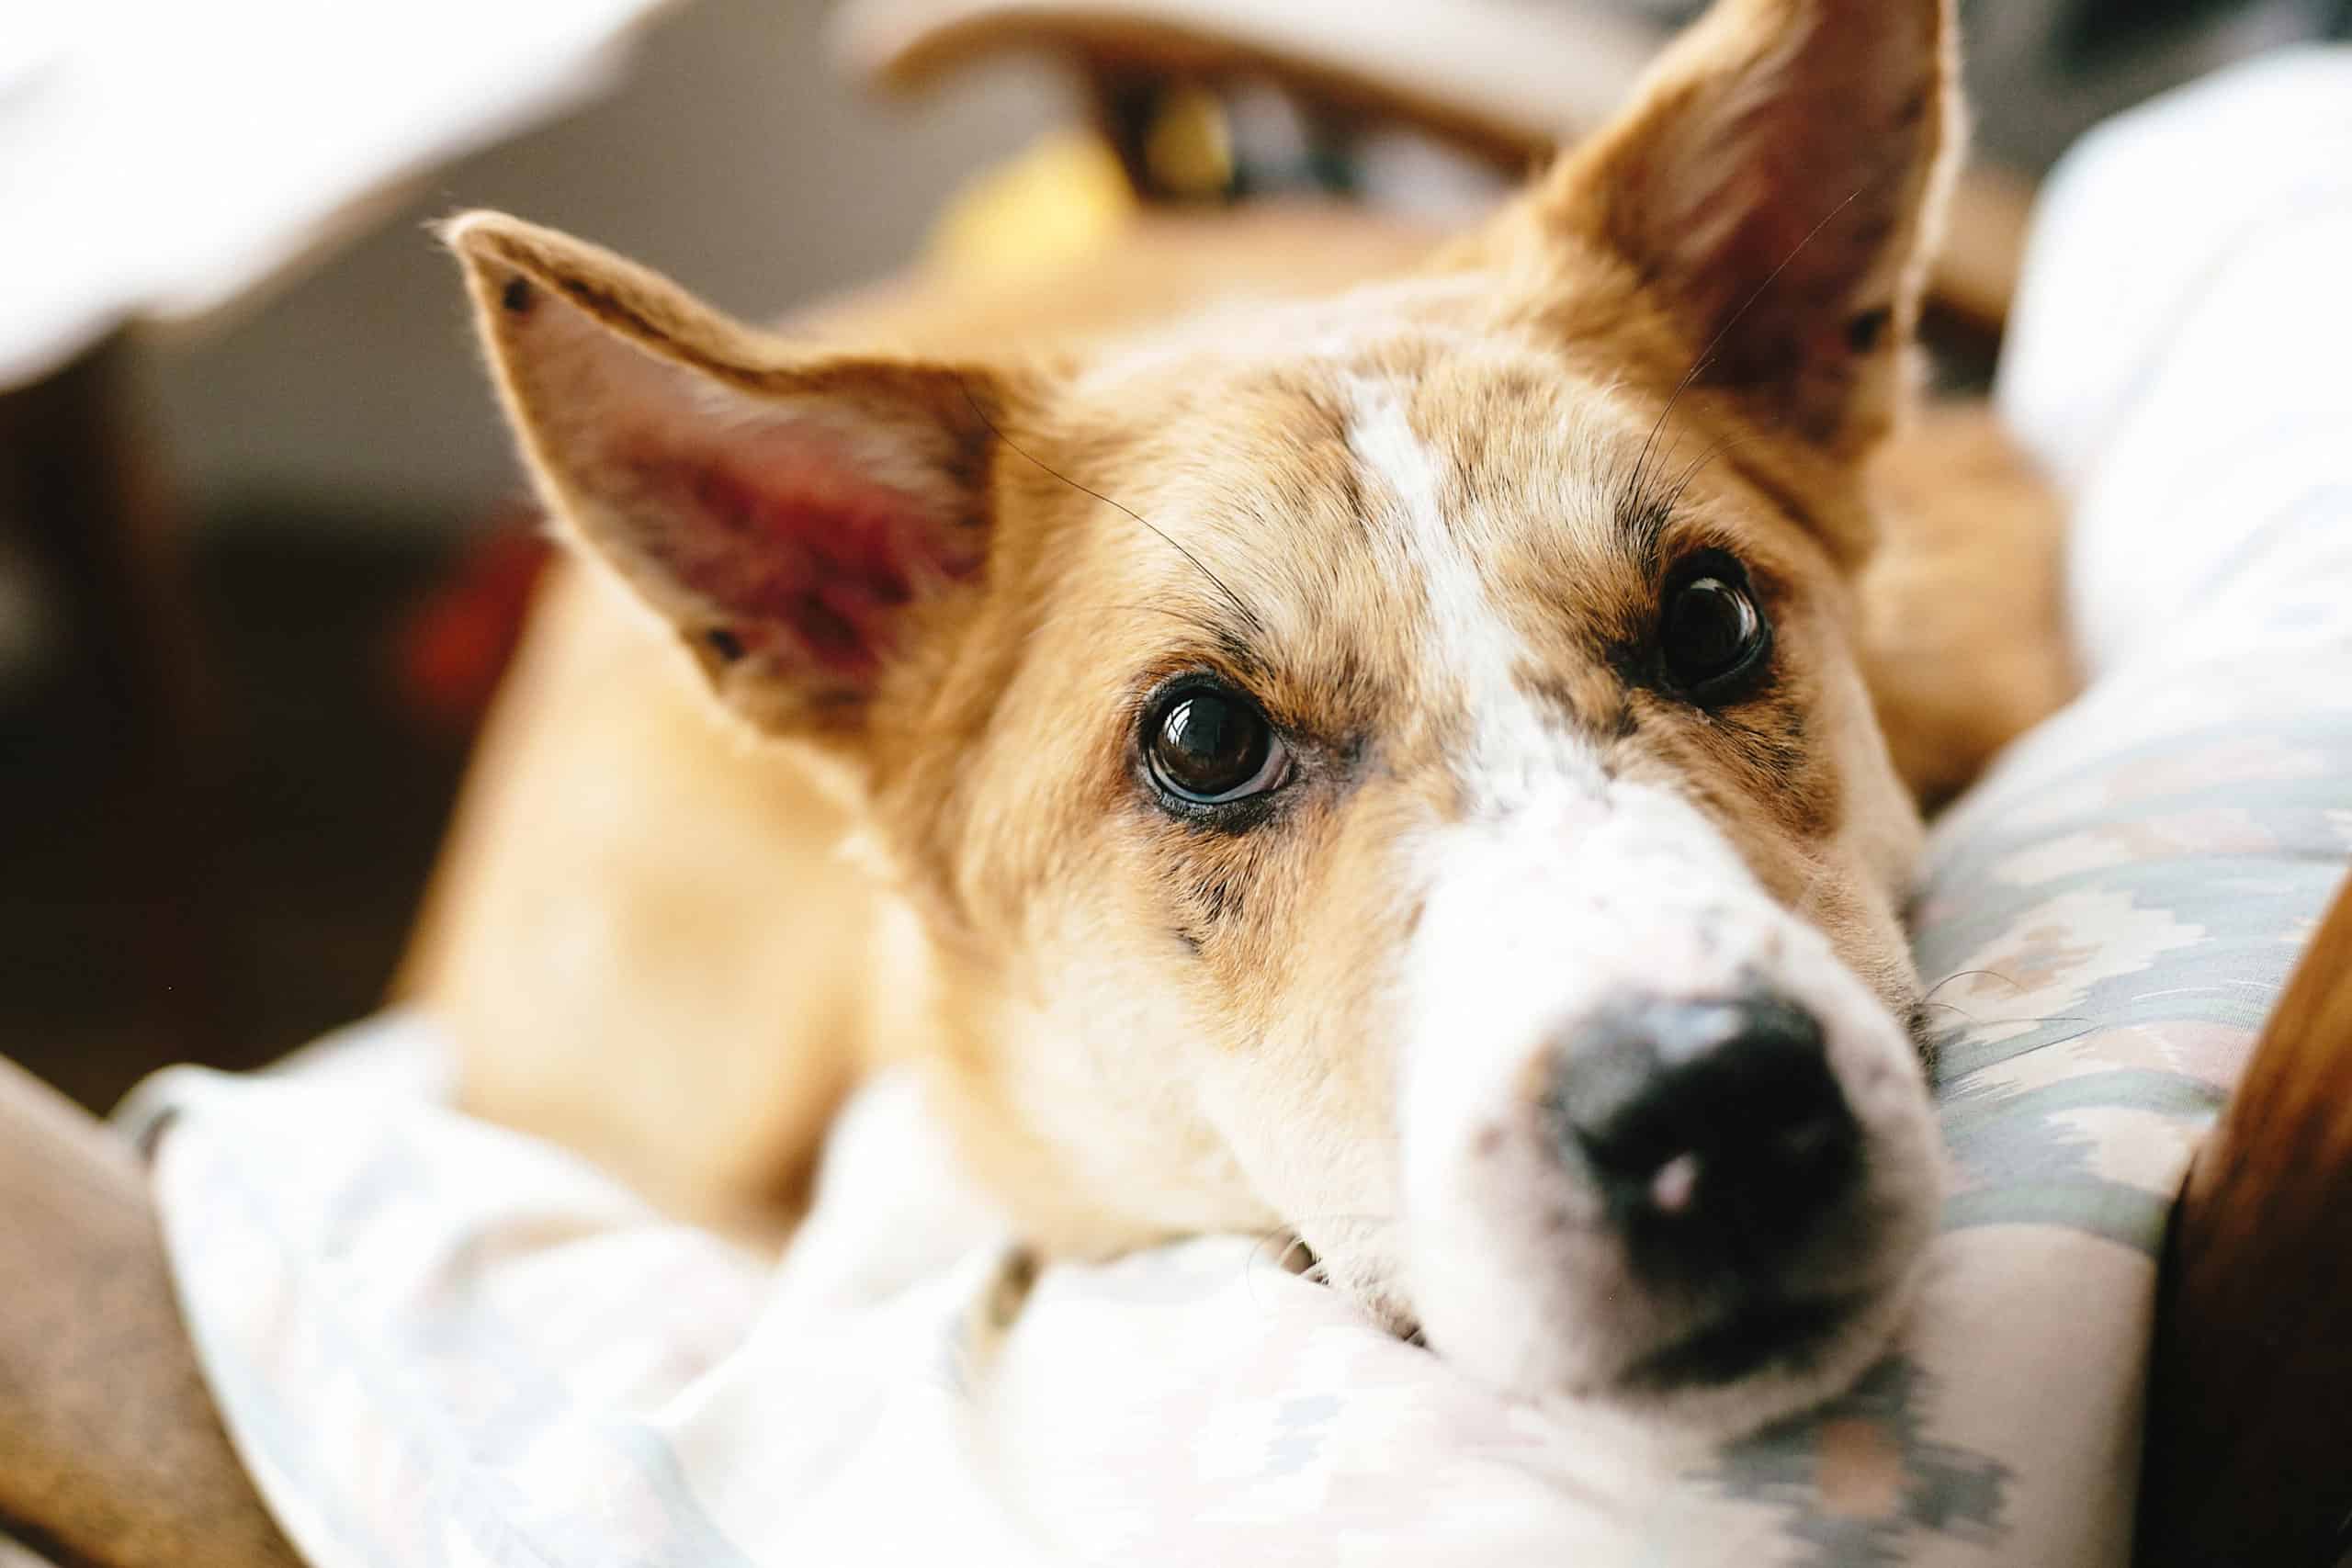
(437, 1342)
(119, 119)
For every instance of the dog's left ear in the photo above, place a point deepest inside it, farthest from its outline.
(805, 522)
(1777, 184)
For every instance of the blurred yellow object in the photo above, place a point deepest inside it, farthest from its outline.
(1189, 148)
(1065, 196)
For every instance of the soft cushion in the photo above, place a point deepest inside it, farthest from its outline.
(437, 1342)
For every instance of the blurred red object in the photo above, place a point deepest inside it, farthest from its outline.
(450, 652)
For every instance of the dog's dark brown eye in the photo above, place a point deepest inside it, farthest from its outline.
(1712, 636)
(1208, 745)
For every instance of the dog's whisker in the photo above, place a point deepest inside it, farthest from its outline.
(2266, 990)
(1317, 1269)
(1977, 1022)
(1965, 973)
(1281, 1260)
(1248, 616)
(1291, 1243)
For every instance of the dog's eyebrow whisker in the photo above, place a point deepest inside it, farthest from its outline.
(1698, 466)
(1648, 510)
(1239, 608)
(1638, 481)
(1634, 501)
(1707, 354)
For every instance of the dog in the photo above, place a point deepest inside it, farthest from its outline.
(1395, 768)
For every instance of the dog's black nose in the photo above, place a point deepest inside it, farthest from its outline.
(1715, 1129)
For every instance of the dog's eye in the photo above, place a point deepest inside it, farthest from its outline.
(1206, 745)
(1711, 635)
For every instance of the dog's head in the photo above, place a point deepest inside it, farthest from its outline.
(1393, 768)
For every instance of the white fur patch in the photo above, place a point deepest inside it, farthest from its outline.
(1511, 743)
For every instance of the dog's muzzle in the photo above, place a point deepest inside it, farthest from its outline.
(1659, 1143)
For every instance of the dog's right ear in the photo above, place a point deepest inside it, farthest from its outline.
(800, 521)
(1777, 184)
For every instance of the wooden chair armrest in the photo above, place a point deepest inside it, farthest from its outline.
(2249, 1450)
(110, 1451)
(1504, 80)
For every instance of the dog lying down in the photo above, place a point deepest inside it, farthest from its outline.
(1397, 768)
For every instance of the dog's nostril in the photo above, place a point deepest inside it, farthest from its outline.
(1715, 1129)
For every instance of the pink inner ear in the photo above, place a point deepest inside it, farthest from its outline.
(801, 553)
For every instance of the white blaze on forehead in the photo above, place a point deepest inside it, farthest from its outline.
(1471, 647)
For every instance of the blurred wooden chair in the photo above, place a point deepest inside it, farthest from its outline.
(1501, 82)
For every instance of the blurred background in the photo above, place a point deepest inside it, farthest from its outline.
(264, 548)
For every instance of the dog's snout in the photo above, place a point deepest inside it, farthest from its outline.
(1714, 1129)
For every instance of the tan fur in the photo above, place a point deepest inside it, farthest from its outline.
(1963, 635)
(1120, 1005)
